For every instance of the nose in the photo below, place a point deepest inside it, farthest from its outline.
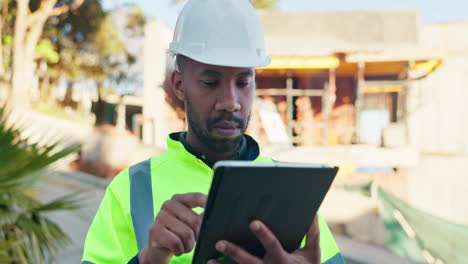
(228, 99)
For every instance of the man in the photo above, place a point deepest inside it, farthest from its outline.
(150, 212)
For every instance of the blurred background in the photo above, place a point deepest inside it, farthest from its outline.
(375, 87)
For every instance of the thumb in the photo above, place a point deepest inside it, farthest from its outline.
(312, 246)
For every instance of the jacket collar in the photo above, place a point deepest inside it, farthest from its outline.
(250, 152)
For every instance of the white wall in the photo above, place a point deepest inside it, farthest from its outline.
(438, 109)
(438, 105)
(157, 39)
(438, 126)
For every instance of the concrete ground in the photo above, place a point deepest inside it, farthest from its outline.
(439, 187)
(76, 223)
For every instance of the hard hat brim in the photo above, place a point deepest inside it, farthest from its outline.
(228, 58)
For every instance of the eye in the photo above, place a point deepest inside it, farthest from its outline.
(210, 83)
(243, 83)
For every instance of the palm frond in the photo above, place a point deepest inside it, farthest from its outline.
(26, 234)
(20, 160)
(67, 202)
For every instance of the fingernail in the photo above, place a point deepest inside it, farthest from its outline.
(255, 226)
(220, 246)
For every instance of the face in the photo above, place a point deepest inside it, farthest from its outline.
(218, 101)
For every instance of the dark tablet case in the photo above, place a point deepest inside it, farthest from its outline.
(284, 196)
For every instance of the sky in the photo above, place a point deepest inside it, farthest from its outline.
(432, 11)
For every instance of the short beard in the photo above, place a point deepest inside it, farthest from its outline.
(217, 145)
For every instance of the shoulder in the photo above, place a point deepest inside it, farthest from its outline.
(262, 158)
(121, 182)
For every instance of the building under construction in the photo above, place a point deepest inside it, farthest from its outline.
(342, 77)
(336, 78)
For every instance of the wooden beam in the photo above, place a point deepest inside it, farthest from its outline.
(358, 104)
(385, 83)
(294, 63)
(286, 92)
(328, 101)
(290, 104)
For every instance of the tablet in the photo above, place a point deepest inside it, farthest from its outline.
(284, 196)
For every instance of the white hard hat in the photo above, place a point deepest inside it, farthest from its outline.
(220, 32)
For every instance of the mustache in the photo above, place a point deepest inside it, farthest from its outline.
(226, 117)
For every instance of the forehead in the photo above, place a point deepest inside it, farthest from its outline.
(202, 69)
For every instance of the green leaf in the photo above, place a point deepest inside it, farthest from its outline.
(7, 39)
(68, 202)
(26, 234)
(47, 51)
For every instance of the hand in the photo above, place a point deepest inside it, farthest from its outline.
(275, 254)
(175, 229)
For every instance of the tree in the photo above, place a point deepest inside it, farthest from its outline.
(136, 21)
(4, 9)
(259, 4)
(264, 4)
(6, 37)
(71, 34)
(27, 235)
(115, 60)
(31, 17)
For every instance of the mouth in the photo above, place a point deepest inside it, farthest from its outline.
(226, 129)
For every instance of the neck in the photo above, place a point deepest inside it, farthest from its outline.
(214, 156)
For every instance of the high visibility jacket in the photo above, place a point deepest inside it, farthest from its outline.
(121, 226)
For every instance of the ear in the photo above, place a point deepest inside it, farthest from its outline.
(176, 85)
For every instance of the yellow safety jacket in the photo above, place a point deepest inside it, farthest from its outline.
(121, 226)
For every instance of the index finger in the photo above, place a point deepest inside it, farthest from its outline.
(236, 253)
(191, 200)
(268, 239)
(313, 234)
